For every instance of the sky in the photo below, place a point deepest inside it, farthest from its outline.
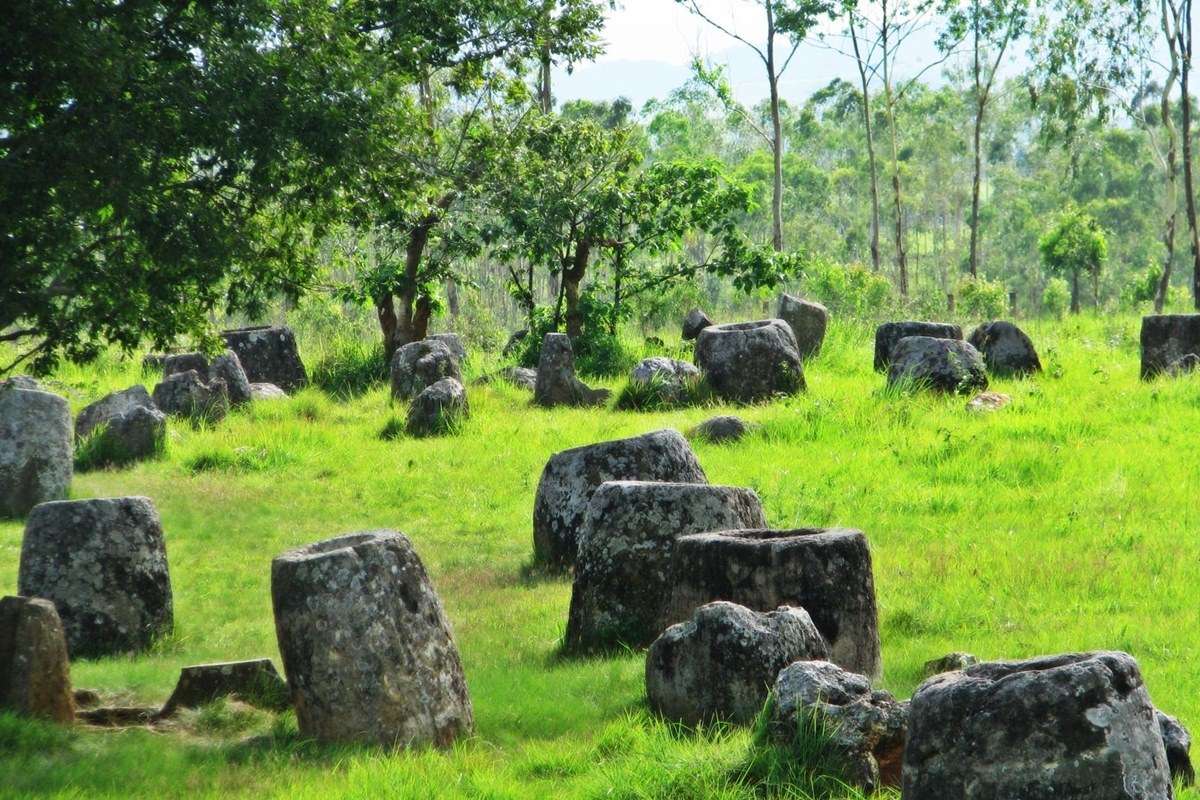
(651, 44)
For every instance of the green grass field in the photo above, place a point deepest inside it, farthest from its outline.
(1068, 521)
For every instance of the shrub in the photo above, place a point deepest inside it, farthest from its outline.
(1056, 297)
(849, 290)
(597, 352)
(981, 298)
(1141, 287)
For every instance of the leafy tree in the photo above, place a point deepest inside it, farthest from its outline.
(160, 161)
(788, 24)
(1073, 247)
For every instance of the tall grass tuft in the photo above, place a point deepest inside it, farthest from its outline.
(350, 367)
(662, 394)
(98, 450)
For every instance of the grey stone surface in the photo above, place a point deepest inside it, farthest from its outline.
(695, 321)
(949, 663)
(1078, 726)
(174, 363)
(255, 682)
(557, 384)
(722, 429)
(228, 368)
(750, 361)
(571, 477)
(722, 663)
(103, 563)
(36, 449)
(1167, 338)
(1006, 349)
(670, 376)
(1178, 743)
(268, 354)
(808, 321)
(437, 409)
(35, 673)
(133, 427)
(418, 365)
(943, 365)
(827, 572)
(623, 566)
(266, 391)
(866, 728)
(1184, 365)
(21, 382)
(889, 334)
(521, 377)
(453, 342)
(366, 645)
(189, 395)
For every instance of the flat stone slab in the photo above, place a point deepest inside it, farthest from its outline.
(255, 682)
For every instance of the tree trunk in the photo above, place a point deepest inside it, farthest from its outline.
(410, 321)
(897, 197)
(572, 279)
(980, 101)
(1172, 167)
(1075, 293)
(1184, 35)
(452, 304)
(776, 138)
(866, 100)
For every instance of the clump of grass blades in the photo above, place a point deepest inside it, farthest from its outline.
(227, 719)
(260, 458)
(98, 450)
(350, 368)
(661, 394)
(807, 764)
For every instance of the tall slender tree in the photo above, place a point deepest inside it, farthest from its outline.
(787, 23)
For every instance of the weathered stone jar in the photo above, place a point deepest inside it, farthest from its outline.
(827, 572)
(366, 645)
(103, 563)
(570, 477)
(268, 354)
(889, 334)
(749, 362)
(623, 568)
(36, 450)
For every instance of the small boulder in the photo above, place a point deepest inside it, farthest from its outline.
(438, 409)
(557, 384)
(721, 664)
(722, 429)
(255, 682)
(174, 363)
(808, 321)
(521, 377)
(418, 365)
(750, 361)
(669, 377)
(827, 572)
(35, 673)
(188, 395)
(1079, 725)
(268, 354)
(988, 401)
(228, 368)
(133, 427)
(889, 334)
(103, 563)
(571, 477)
(266, 391)
(943, 365)
(1006, 349)
(695, 321)
(366, 645)
(866, 728)
(21, 382)
(949, 663)
(1178, 744)
(36, 449)
(1166, 339)
(623, 567)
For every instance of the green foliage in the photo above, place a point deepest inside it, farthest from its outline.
(259, 458)
(982, 299)
(1074, 246)
(349, 367)
(659, 394)
(1142, 287)
(597, 350)
(849, 290)
(1056, 297)
(98, 450)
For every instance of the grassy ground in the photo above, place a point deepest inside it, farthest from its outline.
(1065, 522)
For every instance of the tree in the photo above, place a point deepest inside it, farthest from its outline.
(161, 161)
(863, 61)
(1169, 22)
(788, 23)
(991, 27)
(1075, 246)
